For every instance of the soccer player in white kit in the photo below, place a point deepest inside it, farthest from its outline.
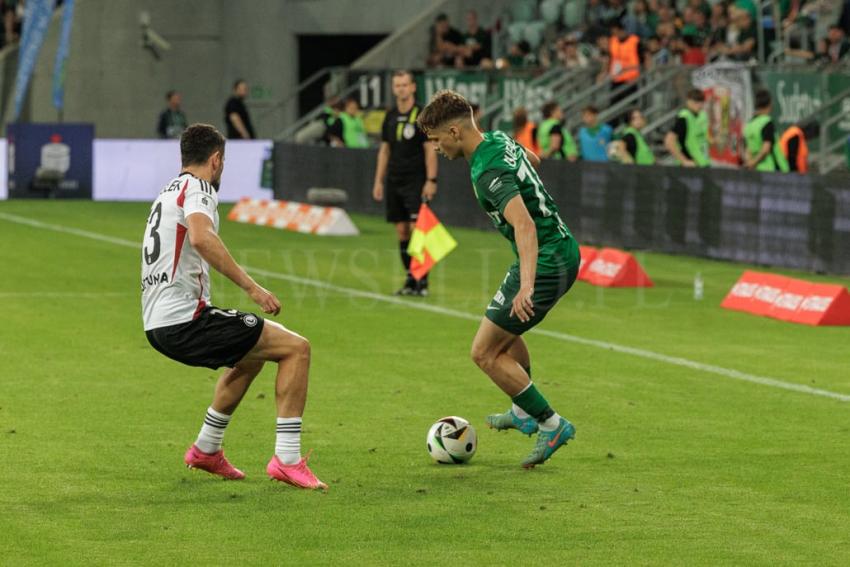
(181, 242)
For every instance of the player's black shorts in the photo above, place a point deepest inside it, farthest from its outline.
(404, 197)
(218, 337)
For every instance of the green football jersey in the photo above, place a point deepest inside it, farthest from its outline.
(500, 171)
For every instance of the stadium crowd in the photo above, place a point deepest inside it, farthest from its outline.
(617, 40)
(693, 32)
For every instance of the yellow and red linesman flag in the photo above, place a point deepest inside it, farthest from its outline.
(429, 244)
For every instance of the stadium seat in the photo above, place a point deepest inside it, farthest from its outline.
(573, 14)
(550, 11)
(516, 31)
(523, 10)
(534, 33)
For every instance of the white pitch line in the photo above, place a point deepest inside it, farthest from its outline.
(622, 349)
(64, 294)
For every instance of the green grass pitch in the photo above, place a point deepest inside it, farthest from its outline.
(671, 465)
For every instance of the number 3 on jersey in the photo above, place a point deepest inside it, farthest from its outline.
(153, 255)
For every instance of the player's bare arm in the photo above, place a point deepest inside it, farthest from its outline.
(429, 189)
(206, 242)
(533, 158)
(381, 171)
(526, 240)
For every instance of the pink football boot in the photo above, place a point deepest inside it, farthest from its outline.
(298, 474)
(215, 464)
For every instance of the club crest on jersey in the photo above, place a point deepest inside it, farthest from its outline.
(409, 131)
(249, 320)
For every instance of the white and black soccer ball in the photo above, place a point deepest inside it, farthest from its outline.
(452, 440)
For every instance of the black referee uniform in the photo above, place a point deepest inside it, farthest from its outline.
(406, 168)
(406, 174)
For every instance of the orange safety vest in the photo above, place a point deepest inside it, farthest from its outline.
(526, 137)
(625, 60)
(802, 164)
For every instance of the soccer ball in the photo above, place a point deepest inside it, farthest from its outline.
(452, 440)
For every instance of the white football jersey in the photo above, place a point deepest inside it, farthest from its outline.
(175, 279)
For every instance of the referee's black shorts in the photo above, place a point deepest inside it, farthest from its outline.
(404, 197)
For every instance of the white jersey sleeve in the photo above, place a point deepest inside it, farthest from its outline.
(175, 278)
(201, 198)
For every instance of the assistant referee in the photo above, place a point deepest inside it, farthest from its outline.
(410, 169)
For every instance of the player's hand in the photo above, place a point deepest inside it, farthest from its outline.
(750, 164)
(429, 190)
(523, 305)
(689, 163)
(265, 299)
(378, 191)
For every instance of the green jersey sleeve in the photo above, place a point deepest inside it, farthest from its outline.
(497, 187)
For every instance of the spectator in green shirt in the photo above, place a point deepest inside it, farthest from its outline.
(553, 139)
(353, 129)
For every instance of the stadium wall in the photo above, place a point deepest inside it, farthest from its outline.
(119, 86)
(770, 219)
(136, 170)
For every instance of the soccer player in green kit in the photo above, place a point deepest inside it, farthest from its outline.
(509, 190)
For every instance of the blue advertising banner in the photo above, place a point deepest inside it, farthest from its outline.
(36, 22)
(50, 160)
(62, 55)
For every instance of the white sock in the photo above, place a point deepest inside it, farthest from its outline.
(288, 444)
(519, 412)
(550, 424)
(212, 431)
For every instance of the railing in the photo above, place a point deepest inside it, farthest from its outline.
(830, 154)
(289, 132)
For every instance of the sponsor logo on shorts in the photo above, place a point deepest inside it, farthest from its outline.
(249, 320)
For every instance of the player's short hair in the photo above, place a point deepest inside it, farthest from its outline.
(632, 113)
(170, 94)
(762, 99)
(520, 118)
(445, 106)
(696, 95)
(591, 109)
(549, 108)
(198, 143)
(238, 82)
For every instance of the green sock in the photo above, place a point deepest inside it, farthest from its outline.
(533, 403)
